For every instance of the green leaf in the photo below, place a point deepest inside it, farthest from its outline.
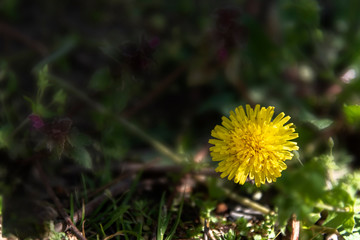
(355, 234)
(352, 113)
(344, 219)
(349, 223)
(100, 80)
(351, 183)
(78, 139)
(307, 186)
(38, 108)
(321, 123)
(81, 156)
(32, 103)
(60, 97)
(206, 207)
(339, 197)
(43, 81)
(114, 142)
(5, 132)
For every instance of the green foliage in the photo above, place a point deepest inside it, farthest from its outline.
(242, 226)
(342, 219)
(78, 151)
(318, 123)
(60, 100)
(116, 215)
(230, 235)
(356, 231)
(206, 208)
(54, 235)
(307, 186)
(37, 108)
(309, 193)
(60, 97)
(321, 123)
(114, 142)
(303, 12)
(43, 85)
(81, 156)
(164, 220)
(214, 191)
(5, 132)
(101, 80)
(352, 114)
(43, 82)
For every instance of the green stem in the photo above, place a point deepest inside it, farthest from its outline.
(128, 125)
(334, 209)
(247, 202)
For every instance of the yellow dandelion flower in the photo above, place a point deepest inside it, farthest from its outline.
(252, 144)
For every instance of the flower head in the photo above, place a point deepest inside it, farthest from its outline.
(252, 144)
(36, 121)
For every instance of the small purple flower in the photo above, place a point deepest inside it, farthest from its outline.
(36, 121)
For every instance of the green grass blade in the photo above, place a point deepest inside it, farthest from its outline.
(102, 230)
(116, 215)
(178, 217)
(139, 230)
(162, 223)
(132, 188)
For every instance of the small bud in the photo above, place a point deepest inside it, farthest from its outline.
(36, 121)
(331, 142)
(331, 145)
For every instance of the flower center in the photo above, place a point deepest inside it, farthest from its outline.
(254, 142)
(250, 141)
